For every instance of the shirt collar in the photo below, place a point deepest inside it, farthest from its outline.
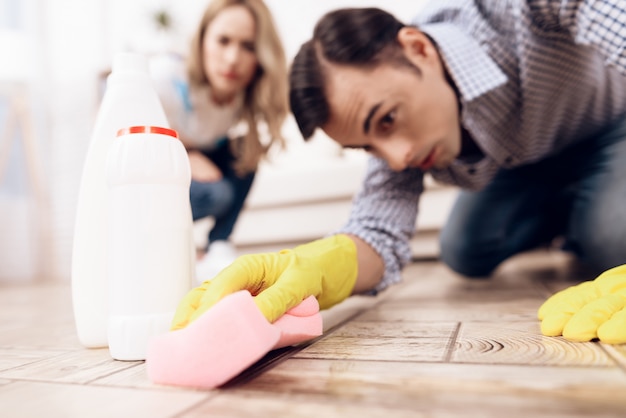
(472, 70)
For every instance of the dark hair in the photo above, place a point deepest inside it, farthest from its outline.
(363, 37)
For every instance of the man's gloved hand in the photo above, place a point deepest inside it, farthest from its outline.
(593, 309)
(325, 268)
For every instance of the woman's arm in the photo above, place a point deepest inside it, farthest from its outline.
(202, 168)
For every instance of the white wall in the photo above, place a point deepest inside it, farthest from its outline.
(75, 40)
(295, 18)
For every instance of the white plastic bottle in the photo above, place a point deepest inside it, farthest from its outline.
(149, 222)
(129, 99)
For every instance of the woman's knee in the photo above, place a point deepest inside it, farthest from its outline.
(211, 199)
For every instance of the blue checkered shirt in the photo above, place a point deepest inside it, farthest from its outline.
(534, 77)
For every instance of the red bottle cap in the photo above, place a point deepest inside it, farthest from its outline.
(147, 130)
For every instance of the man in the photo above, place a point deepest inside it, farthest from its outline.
(520, 103)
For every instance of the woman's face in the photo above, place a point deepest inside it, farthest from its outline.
(229, 56)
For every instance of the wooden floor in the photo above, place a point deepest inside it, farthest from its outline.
(436, 345)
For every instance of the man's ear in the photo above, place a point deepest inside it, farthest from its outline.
(416, 45)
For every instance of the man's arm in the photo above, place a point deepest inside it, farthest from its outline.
(381, 223)
(370, 266)
(597, 23)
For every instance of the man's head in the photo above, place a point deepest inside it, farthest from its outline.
(368, 81)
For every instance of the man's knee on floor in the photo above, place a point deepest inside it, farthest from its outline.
(601, 254)
(600, 244)
(462, 257)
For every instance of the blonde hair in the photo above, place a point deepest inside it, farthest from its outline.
(265, 97)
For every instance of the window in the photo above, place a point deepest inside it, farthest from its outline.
(10, 16)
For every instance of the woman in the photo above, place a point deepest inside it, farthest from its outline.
(234, 80)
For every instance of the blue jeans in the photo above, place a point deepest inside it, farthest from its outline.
(579, 194)
(223, 199)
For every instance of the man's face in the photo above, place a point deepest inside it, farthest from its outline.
(410, 120)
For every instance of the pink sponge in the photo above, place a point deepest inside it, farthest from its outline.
(226, 340)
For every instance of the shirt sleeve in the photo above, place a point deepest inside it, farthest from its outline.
(600, 24)
(384, 213)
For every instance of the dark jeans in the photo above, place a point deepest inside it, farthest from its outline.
(579, 195)
(223, 199)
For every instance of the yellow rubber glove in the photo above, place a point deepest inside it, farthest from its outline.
(325, 268)
(593, 309)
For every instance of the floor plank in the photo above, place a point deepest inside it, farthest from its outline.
(52, 400)
(446, 389)
(434, 345)
(81, 366)
(522, 343)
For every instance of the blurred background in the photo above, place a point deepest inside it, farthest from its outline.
(54, 57)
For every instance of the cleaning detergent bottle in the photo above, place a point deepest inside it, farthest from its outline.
(150, 220)
(129, 99)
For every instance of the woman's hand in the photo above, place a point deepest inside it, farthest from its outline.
(202, 168)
